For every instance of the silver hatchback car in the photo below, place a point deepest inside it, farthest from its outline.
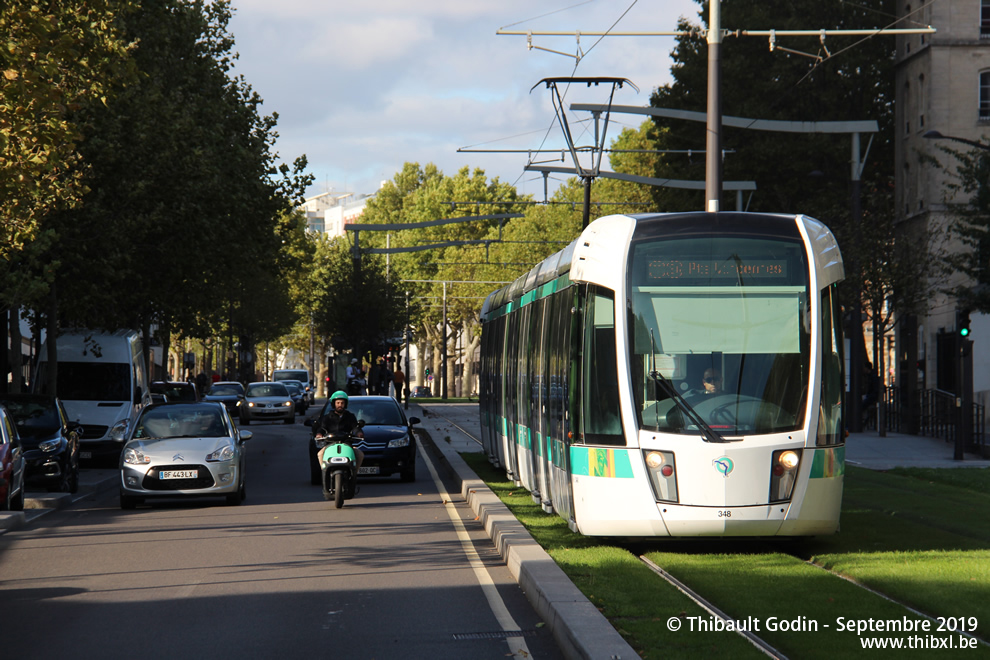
(183, 450)
(267, 402)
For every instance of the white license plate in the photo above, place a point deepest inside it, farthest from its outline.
(368, 470)
(178, 474)
(85, 454)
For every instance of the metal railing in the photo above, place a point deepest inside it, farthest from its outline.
(937, 416)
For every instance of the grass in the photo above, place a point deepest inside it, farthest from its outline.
(919, 536)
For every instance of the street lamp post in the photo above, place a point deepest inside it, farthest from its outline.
(964, 345)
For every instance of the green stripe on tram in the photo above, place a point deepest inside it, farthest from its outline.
(524, 437)
(828, 463)
(601, 462)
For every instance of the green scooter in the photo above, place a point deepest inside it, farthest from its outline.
(338, 463)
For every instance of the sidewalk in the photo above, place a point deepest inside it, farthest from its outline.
(871, 451)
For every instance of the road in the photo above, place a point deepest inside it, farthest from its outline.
(285, 574)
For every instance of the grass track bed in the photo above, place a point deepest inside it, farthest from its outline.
(920, 537)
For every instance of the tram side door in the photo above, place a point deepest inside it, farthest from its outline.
(538, 367)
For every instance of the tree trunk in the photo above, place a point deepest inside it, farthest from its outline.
(16, 354)
(468, 358)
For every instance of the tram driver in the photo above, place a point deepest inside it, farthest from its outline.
(711, 382)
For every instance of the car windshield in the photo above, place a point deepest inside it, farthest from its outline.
(32, 415)
(371, 412)
(175, 391)
(294, 388)
(181, 421)
(255, 390)
(90, 381)
(226, 389)
(298, 374)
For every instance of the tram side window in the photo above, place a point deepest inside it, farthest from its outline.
(830, 423)
(600, 382)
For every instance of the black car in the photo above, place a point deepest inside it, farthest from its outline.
(389, 444)
(49, 439)
(176, 391)
(298, 393)
(229, 393)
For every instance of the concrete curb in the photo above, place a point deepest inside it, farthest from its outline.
(41, 503)
(580, 630)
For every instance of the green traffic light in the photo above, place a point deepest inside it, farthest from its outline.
(964, 332)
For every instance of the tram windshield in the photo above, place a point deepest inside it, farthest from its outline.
(725, 319)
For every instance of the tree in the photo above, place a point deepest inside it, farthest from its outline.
(56, 56)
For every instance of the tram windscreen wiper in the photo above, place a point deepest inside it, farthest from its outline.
(711, 435)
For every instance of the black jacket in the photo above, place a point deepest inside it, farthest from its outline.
(334, 424)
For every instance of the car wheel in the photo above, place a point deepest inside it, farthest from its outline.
(128, 502)
(408, 475)
(245, 421)
(291, 420)
(74, 478)
(234, 499)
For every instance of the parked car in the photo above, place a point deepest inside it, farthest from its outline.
(298, 393)
(389, 444)
(183, 450)
(50, 441)
(228, 392)
(421, 391)
(175, 390)
(11, 465)
(267, 402)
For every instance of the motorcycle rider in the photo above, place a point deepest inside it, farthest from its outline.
(340, 421)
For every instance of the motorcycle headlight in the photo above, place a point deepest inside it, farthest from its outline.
(49, 446)
(134, 456)
(225, 453)
(119, 430)
(399, 442)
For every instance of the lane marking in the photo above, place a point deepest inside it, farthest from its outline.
(517, 645)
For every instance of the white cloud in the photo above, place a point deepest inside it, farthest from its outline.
(362, 88)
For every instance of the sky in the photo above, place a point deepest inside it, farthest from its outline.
(362, 88)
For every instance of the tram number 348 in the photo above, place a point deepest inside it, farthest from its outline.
(724, 513)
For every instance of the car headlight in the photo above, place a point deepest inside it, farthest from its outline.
(399, 442)
(287, 403)
(250, 404)
(134, 456)
(225, 453)
(119, 430)
(49, 446)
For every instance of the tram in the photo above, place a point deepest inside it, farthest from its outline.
(673, 375)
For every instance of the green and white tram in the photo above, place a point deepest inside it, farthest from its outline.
(593, 371)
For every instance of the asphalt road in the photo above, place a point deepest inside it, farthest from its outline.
(283, 575)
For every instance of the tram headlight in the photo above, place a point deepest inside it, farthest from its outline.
(663, 477)
(783, 473)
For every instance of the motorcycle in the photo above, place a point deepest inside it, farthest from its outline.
(338, 463)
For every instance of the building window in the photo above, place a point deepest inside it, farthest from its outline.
(984, 19)
(985, 96)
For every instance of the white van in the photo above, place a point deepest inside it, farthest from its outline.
(102, 383)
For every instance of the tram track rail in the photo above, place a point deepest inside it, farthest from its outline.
(714, 607)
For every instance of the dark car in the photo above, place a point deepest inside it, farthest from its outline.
(50, 441)
(176, 391)
(421, 391)
(298, 393)
(389, 444)
(11, 465)
(229, 393)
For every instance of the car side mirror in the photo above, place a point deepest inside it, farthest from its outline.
(413, 420)
(244, 436)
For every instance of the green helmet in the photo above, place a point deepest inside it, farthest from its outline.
(339, 394)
